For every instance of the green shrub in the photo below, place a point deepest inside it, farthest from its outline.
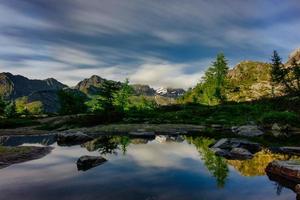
(280, 117)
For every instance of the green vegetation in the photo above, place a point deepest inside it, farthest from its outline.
(289, 76)
(23, 107)
(211, 90)
(71, 102)
(281, 118)
(216, 165)
(14, 150)
(249, 93)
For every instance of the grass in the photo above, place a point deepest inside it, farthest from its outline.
(15, 123)
(12, 150)
(282, 110)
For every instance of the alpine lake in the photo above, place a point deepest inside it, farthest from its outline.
(159, 167)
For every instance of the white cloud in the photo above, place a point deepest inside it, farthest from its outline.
(73, 56)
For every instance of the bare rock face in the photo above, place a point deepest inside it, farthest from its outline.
(87, 162)
(295, 55)
(14, 86)
(289, 170)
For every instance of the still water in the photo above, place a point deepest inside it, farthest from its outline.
(138, 168)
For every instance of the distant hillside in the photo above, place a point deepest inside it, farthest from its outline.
(250, 80)
(144, 90)
(294, 55)
(94, 85)
(14, 86)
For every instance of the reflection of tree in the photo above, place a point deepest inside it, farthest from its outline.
(124, 142)
(216, 165)
(108, 144)
(278, 189)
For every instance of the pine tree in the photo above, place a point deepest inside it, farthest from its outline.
(214, 81)
(288, 76)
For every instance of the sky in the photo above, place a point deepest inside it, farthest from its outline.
(163, 43)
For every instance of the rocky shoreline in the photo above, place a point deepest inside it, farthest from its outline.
(19, 155)
(250, 130)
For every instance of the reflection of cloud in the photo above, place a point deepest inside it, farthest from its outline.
(162, 171)
(155, 155)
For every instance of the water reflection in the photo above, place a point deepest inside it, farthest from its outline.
(30, 139)
(142, 168)
(257, 165)
(216, 165)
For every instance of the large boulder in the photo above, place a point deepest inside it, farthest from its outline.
(247, 130)
(87, 162)
(72, 138)
(289, 170)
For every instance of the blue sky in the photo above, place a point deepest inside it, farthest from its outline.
(161, 43)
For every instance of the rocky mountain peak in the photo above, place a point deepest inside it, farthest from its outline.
(295, 55)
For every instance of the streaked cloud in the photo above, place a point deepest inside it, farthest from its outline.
(155, 42)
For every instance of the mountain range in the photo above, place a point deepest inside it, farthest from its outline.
(249, 80)
(15, 86)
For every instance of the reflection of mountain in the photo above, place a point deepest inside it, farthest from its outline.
(169, 138)
(257, 165)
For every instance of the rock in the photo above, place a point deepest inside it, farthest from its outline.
(289, 170)
(217, 127)
(297, 188)
(221, 152)
(235, 149)
(19, 156)
(285, 183)
(229, 144)
(87, 162)
(241, 153)
(279, 130)
(294, 131)
(142, 133)
(72, 138)
(286, 150)
(275, 130)
(247, 130)
(234, 154)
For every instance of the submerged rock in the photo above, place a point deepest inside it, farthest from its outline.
(87, 162)
(247, 130)
(72, 138)
(235, 149)
(289, 170)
